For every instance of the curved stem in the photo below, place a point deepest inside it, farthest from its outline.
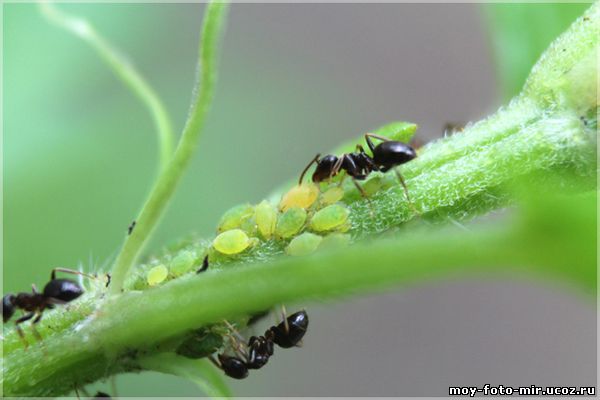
(124, 70)
(166, 184)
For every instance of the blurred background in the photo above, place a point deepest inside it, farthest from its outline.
(295, 79)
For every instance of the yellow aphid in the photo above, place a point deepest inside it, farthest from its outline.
(290, 222)
(266, 218)
(231, 242)
(332, 195)
(235, 217)
(156, 275)
(329, 218)
(302, 196)
(303, 244)
(182, 263)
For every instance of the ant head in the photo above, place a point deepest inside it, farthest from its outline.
(324, 168)
(63, 289)
(233, 366)
(8, 308)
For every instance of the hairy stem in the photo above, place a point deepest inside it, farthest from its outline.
(168, 180)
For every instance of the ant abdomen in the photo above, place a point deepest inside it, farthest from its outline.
(297, 325)
(63, 290)
(392, 153)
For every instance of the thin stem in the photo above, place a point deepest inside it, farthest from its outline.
(166, 184)
(124, 70)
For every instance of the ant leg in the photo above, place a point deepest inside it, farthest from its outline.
(403, 183)
(376, 136)
(24, 318)
(34, 289)
(285, 321)
(364, 194)
(215, 362)
(336, 167)
(33, 328)
(314, 160)
(233, 330)
(69, 271)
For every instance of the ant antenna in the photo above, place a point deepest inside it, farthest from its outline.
(314, 160)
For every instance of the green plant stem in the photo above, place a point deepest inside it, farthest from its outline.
(130, 324)
(168, 180)
(124, 70)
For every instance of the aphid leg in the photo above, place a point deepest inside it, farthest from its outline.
(314, 160)
(204, 266)
(403, 183)
(34, 289)
(24, 318)
(69, 271)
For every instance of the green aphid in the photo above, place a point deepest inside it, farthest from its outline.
(303, 244)
(157, 275)
(266, 218)
(200, 344)
(329, 218)
(335, 240)
(372, 186)
(235, 217)
(182, 263)
(231, 242)
(290, 222)
(332, 195)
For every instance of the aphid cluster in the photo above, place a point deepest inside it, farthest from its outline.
(57, 291)
(256, 353)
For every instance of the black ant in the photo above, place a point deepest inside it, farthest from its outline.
(286, 334)
(358, 165)
(57, 291)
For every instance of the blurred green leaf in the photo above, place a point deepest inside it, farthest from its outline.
(520, 33)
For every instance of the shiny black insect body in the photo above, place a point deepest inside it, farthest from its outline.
(286, 334)
(260, 349)
(233, 367)
(57, 291)
(358, 165)
(289, 333)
